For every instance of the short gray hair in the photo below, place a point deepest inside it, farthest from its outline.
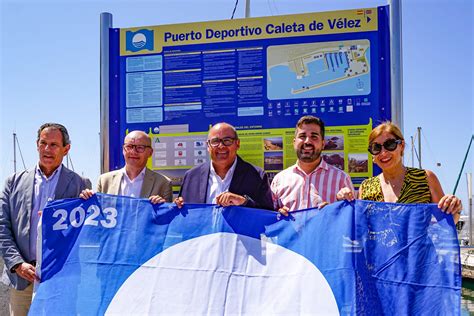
(59, 127)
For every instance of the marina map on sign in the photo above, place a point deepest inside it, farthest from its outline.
(318, 70)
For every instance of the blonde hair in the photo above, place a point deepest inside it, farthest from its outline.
(388, 127)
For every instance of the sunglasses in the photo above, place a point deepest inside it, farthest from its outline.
(390, 145)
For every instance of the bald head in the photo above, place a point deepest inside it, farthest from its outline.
(136, 151)
(222, 145)
(223, 127)
(134, 136)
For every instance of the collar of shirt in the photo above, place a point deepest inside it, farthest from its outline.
(140, 176)
(229, 173)
(217, 185)
(133, 187)
(39, 175)
(44, 191)
(322, 165)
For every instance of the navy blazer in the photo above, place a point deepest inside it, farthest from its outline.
(247, 180)
(16, 204)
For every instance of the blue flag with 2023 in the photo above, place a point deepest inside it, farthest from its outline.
(120, 256)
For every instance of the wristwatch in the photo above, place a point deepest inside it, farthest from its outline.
(247, 198)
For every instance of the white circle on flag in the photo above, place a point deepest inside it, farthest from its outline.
(225, 273)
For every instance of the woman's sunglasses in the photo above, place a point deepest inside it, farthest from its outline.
(390, 145)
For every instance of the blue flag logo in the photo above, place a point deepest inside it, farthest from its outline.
(139, 40)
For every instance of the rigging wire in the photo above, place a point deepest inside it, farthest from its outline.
(416, 154)
(414, 148)
(21, 154)
(274, 5)
(69, 159)
(270, 7)
(235, 7)
(443, 178)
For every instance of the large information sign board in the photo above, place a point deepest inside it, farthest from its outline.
(260, 75)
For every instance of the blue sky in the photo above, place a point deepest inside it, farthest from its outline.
(50, 71)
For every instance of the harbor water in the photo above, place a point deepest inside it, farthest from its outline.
(467, 297)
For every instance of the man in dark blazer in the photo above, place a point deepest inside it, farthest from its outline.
(135, 179)
(227, 179)
(23, 198)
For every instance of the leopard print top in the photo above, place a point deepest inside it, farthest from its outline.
(415, 188)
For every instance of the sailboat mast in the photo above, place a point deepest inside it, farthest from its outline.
(419, 147)
(469, 198)
(463, 163)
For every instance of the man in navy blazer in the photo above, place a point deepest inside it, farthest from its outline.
(227, 179)
(24, 196)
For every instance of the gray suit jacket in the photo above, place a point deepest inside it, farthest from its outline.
(16, 203)
(153, 184)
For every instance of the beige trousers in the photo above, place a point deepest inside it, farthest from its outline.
(20, 301)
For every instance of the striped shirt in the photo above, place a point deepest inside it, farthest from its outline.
(297, 190)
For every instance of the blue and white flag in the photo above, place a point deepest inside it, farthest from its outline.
(139, 40)
(120, 256)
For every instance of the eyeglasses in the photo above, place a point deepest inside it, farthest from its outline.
(138, 148)
(226, 141)
(390, 145)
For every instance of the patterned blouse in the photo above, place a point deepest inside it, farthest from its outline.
(415, 188)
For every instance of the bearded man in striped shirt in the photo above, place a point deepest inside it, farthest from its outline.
(311, 182)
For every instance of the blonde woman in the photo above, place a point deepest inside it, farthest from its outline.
(398, 183)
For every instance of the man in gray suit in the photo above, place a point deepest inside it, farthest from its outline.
(135, 179)
(21, 201)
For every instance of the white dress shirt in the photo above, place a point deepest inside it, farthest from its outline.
(133, 187)
(216, 185)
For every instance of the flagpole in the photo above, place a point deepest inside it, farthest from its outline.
(396, 73)
(105, 25)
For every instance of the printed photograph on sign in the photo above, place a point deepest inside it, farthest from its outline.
(334, 158)
(358, 163)
(273, 143)
(334, 142)
(273, 160)
(318, 70)
(175, 175)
